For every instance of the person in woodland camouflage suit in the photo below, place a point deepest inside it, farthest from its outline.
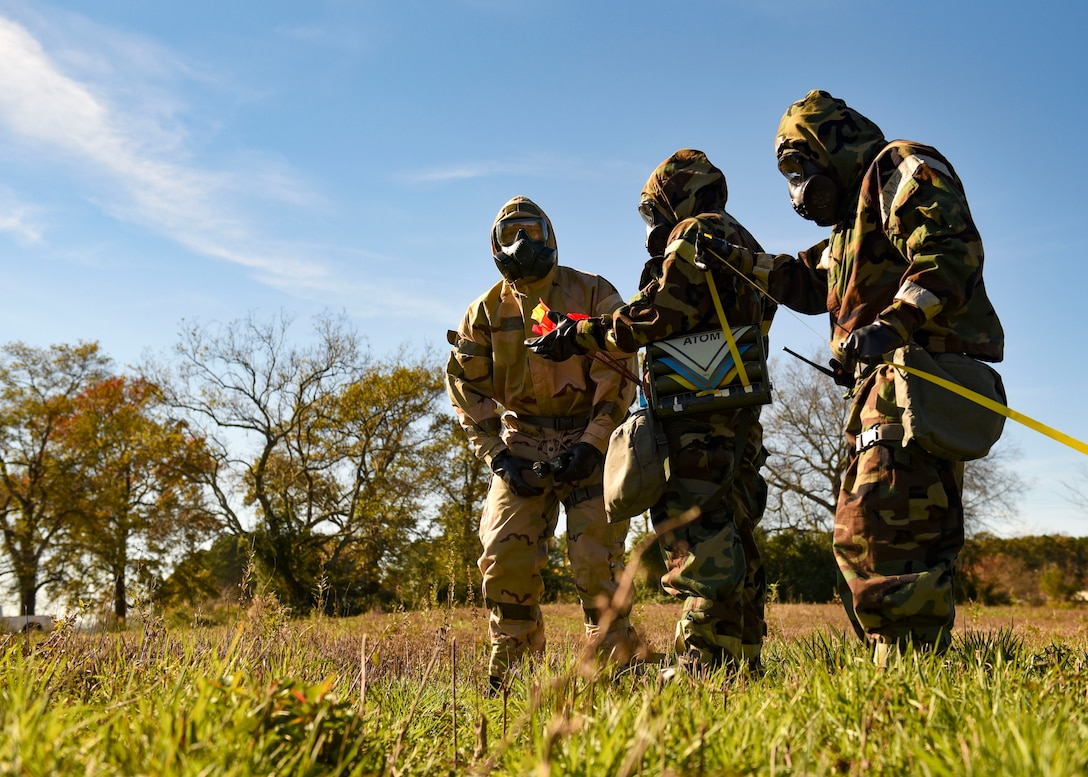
(903, 265)
(518, 409)
(712, 562)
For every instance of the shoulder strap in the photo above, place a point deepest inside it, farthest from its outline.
(727, 332)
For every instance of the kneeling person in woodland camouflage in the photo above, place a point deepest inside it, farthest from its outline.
(519, 409)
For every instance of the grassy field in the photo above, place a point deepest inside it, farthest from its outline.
(403, 694)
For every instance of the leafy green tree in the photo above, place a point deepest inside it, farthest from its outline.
(207, 575)
(319, 450)
(1057, 585)
(459, 481)
(559, 584)
(800, 564)
(1026, 570)
(139, 502)
(37, 476)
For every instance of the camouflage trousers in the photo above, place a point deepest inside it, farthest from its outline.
(898, 529)
(515, 532)
(711, 557)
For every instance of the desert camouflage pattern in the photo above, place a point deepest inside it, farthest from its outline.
(491, 371)
(515, 532)
(898, 529)
(909, 254)
(494, 384)
(713, 563)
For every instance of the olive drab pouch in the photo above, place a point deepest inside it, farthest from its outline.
(943, 422)
(634, 466)
(705, 372)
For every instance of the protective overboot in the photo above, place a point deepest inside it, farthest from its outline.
(887, 652)
(619, 649)
(699, 664)
(509, 657)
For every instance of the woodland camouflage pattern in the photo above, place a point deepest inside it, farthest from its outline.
(712, 562)
(491, 371)
(907, 252)
(898, 529)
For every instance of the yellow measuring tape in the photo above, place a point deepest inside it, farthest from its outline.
(997, 407)
(956, 388)
(727, 332)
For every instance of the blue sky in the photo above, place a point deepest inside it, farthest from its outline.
(202, 161)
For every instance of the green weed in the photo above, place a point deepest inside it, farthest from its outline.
(406, 694)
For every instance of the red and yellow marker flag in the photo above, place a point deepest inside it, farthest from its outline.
(544, 324)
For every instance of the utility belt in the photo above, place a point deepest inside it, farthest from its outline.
(705, 372)
(882, 433)
(558, 423)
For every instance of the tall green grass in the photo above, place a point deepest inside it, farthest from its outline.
(404, 694)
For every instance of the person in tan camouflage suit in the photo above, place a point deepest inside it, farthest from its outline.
(903, 266)
(518, 409)
(715, 489)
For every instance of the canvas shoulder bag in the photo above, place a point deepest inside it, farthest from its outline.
(941, 421)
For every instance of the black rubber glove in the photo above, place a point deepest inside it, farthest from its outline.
(509, 467)
(711, 252)
(559, 344)
(577, 462)
(840, 374)
(868, 344)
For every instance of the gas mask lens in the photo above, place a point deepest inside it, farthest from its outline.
(535, 229)
(790, 167)
(648, 212)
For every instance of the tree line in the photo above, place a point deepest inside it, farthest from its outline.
(332, 478)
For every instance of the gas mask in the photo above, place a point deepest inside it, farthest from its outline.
(523, 250)
(814, 193)
(657, 228)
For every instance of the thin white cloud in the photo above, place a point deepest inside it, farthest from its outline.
(537, 165)
(70, 121)
(19, 219)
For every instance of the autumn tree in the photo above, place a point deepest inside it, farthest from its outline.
(37, 476)
(318, 449)
(385, 443)
(139, 502)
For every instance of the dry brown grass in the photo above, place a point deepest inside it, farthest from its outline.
(656, 622)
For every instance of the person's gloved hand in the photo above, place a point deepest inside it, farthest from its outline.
(712, 251)
(842, 376)
(868, 344)
(577, 462)
(559, 344)
(509, 467)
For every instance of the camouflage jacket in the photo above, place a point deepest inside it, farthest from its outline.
(491, 370)
(675, 298)
(911, 257)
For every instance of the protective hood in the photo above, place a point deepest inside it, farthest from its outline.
(685, 185)
(531, 259)
(522, 207)
(827, 132)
